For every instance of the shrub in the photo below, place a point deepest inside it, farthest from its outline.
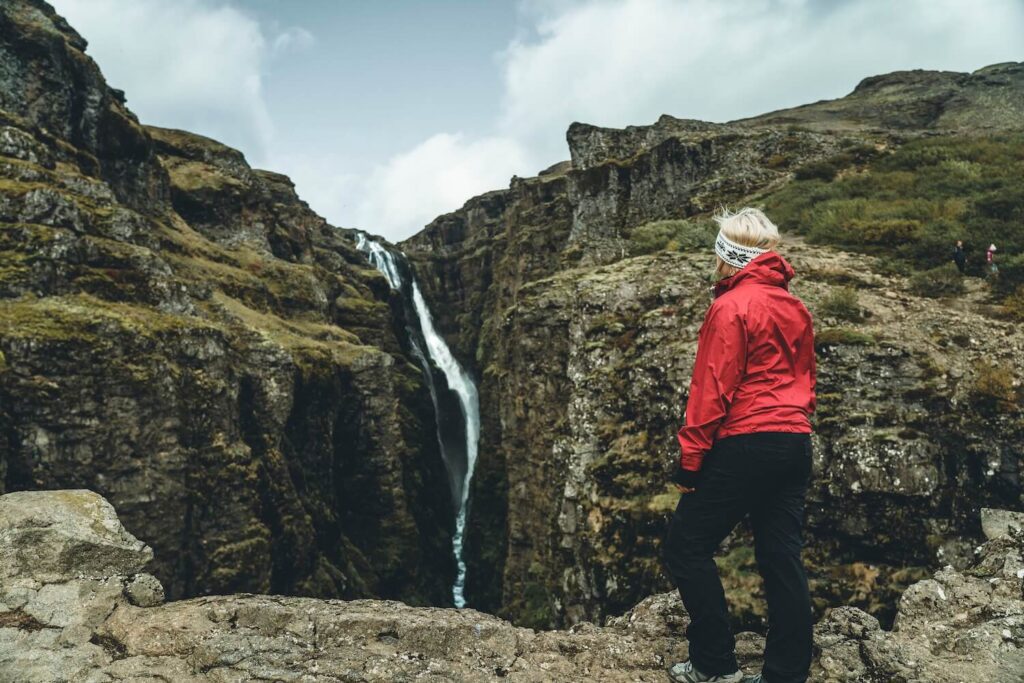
(888, 231)
(1011, 272)
(842, 303)
(1015, 303)
(676, 235)
(937, 282)
(821, 170)
(992, 387)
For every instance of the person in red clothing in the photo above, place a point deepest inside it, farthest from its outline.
(745, 449)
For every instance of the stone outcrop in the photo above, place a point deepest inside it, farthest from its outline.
(991, 98)
(583, 351)
(70, 578)
(181, 333)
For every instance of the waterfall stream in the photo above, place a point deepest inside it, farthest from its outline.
(459, 459)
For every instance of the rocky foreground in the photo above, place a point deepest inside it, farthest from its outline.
(76, 605)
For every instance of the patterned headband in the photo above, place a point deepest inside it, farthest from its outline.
(736, 255)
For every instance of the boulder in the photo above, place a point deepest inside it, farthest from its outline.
(50, 535)
(996, 523)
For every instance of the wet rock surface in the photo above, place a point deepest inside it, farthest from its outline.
(74, 620)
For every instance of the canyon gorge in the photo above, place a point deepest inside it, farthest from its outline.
(485, 413)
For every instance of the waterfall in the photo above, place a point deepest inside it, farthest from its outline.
(459, 462)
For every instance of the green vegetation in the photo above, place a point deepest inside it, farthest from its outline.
(671, 235)
(1015, 303)
(842, 303)
(992, 387)
(842, 335)
(909, 206)
(944, 280)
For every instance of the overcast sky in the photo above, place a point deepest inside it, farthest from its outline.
(387, 113)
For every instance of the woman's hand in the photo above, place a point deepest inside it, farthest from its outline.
(684, 489)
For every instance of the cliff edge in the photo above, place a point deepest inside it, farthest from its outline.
(76, 605)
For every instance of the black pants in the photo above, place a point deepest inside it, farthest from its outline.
(764, 475)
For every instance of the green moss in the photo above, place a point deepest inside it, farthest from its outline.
(194, 176)
(664, 502)
(359, 305)
(744, 588)
(843, 335)
(534, 609)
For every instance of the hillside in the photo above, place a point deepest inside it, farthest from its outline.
(576, 296)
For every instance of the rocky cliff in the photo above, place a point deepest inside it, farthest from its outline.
(576, 296)
(181, 333)
(77, 605)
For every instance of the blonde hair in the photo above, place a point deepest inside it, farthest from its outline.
(749, 227)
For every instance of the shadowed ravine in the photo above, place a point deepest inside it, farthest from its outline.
(459, 454)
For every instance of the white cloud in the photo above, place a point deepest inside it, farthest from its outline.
(293, 38)
(188, 64)
(620, 63)
(623, 62)
(434, 177)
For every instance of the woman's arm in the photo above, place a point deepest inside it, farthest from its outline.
(717, 372)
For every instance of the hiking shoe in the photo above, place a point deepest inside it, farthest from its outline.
(684, 672)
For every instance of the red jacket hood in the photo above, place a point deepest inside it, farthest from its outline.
(769, 269)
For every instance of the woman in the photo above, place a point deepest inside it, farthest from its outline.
(746, 449)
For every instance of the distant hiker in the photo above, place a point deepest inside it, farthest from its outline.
(746, 450)
(990, 262)
(959, 256)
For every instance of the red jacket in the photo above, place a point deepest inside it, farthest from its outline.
(755, 367)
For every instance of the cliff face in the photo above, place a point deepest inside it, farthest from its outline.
(181, 333)
(77, 605)
(584, 350)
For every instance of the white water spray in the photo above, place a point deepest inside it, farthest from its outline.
(459, 381)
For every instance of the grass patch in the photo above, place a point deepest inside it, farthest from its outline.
(671, 235)
(992, 387)
(944, 280)
(832, 336)
(842, 303)
(911, 205)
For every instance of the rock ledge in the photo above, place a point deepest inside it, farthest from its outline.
(75, 606)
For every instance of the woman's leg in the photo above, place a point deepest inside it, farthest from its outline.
(778, 540)
(701, 521)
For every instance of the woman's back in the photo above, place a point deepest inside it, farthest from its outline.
(755, 366)
(776, 393)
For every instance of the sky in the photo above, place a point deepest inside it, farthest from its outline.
(388, 113)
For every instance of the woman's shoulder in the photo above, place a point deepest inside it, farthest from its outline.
(727, 306)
